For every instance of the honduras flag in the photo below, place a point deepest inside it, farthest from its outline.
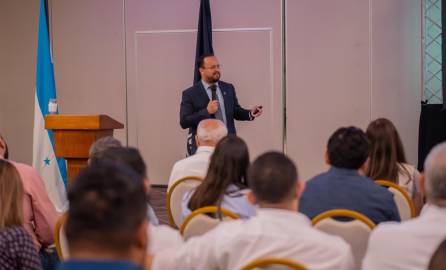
(53, 170)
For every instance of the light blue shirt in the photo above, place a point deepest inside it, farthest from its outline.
(234, 200)
(97, 265)
(221, 101)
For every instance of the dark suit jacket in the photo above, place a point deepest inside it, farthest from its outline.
(194, 104)
(344, 188)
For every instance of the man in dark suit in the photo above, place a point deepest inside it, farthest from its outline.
(211, 98)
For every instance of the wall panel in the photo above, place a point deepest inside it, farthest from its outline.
(160, 59)
(89, 58)
(18, 47)
(328, 69)
(396, 67)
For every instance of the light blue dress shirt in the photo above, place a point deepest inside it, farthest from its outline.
(97, 265)
(234, 200)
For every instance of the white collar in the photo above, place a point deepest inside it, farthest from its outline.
(205, 149)
(432, 209)
(284, 214)
(206, 85)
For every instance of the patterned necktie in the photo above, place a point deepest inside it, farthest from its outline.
(218, 114)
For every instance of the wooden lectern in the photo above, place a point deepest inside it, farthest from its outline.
(74, 134)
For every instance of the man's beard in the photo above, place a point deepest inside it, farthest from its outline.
(214, 78)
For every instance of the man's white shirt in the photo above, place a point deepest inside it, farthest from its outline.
(271, 233)
(408, 245)
(195, 165)
(163, 237)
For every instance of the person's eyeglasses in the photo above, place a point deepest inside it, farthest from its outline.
(213, 67)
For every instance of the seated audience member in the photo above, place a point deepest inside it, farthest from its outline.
(209, 133)
(17, 250)
(342, 186)
(438, 260)
(387, 160)
(105, 143)
(409, 245)
(106, 227)
(225, 183)
(40, 216)
(162, 236)
(102, 144)
(277, 230)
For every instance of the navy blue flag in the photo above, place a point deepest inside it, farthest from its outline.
(204, 36)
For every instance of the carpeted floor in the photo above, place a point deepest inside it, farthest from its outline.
(158, 202)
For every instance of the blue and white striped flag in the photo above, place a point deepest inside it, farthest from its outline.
(52, 169)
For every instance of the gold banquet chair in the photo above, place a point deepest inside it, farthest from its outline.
(175, 197)
(355, 232)
(198, 222)
(60, 238)
(274, 263)
(403, 201)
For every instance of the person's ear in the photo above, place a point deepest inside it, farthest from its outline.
(251, 198)
(364, 167)
(147, 184)
(327, 158)
(142, 235)
(422, 185)
(197, 142)
(2, 148)
(300, 187)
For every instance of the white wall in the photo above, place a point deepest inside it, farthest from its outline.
(348, 62)
(89, 58)
(161, 54)
(18, 45)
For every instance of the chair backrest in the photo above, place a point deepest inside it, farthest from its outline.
(175, 197)
(274, 263)
(355, 232)
(198, 222)
(60, 238)
(405, 204)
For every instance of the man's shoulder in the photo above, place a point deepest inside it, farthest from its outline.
(319, 180)
(377, 190)
(396, 230)
(26, 171)
(186, 162)
(226, 86)
(21, 166)
(193, 89)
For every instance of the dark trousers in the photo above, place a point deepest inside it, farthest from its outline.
(49, 258)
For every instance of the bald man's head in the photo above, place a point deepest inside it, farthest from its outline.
(210, 132)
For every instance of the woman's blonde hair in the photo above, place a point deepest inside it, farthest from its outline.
(11, 196)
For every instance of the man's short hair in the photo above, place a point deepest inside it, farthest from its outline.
(211, 130)
(202, 57)
(128, 156)
(102, 144)
(107, 205)
(348, 148)
(272, 178)
(435, 173)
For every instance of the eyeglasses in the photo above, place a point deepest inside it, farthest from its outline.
(212, 67)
